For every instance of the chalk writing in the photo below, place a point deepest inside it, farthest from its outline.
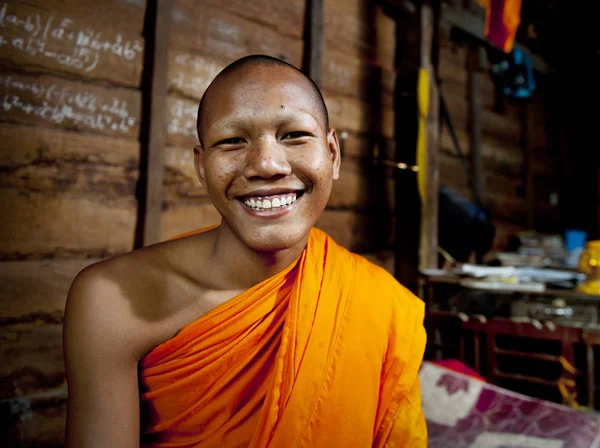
(183, 119)
(193, 74)
(62, 40)
(59, 104)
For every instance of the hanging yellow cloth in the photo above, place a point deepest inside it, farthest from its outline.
(423, 110)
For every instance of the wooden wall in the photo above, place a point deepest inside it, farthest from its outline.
(70, 104)
(502, 147)
(70, 124)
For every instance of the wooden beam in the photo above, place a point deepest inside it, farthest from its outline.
(428, 257)
(417, 219)
(313, 46)
(527, 123)
(474, 100)
(153, 136)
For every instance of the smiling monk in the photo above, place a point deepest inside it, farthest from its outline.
(259, 332)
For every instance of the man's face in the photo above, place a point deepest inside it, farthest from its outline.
(266, 157)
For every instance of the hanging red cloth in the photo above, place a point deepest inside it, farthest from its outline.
(502, 18)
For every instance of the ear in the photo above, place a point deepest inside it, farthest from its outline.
(334, 149)
(199, 164)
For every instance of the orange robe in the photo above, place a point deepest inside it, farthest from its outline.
(324, 354)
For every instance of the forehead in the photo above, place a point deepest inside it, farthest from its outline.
(259, 91)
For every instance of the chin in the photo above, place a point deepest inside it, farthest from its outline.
(275, 239)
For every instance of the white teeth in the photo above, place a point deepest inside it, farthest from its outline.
(266, 204)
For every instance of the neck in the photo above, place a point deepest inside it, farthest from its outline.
(242, 267)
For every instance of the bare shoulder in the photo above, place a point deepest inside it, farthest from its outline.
(104, 304)
(139, 299)
(107, 329)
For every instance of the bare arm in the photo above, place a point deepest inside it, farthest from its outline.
(101, 365)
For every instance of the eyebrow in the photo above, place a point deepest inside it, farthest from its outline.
(236, 123)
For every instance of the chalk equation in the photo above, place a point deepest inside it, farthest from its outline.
(64, 105)
(193, 73)
(183, 116)
(62, 40)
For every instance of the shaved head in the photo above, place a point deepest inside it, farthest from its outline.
(260, 60)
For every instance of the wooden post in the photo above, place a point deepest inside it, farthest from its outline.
(153, 137)
(313, 40)
(416, 220)
(428, 257)
(527, 138)
(474, 98)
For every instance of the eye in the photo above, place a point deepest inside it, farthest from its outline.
(296, 134)
(230, 141)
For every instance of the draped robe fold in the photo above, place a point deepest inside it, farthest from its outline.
(324, 354)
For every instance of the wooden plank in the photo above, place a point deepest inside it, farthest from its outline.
(32, 386)
(153, 140)
(38, 419)
(218, 33)
(360, 188)
(285, 17)
(348, 75)
(36, 291)
(180, 218)
(55, 161)
(75, 38)
(475, 124)
(416, 220)
(181, 182)
(64, 226)
(48, 101)
(360, 29)
(353, 115)
(313, 47)
(527, 143)
(33, 359)
(428, 248)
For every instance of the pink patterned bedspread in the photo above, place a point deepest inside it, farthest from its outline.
(462, 412)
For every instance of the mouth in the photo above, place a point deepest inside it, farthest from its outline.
(269, 202)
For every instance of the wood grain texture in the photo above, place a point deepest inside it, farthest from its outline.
(353, 115)
(313, 47)
(181, 182)
(53, 161)
(35, 292)
(179, 218)
(64, 226)
(361, 187)
(285, 17)
(213, 31)
(153, 141)
(32, 386)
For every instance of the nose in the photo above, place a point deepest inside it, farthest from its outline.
(266, 159)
